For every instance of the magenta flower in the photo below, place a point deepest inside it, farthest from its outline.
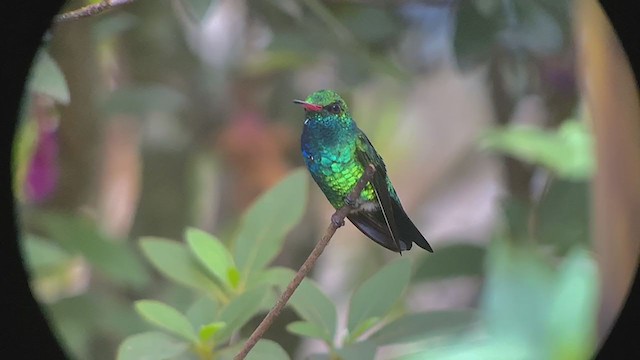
(43, 172)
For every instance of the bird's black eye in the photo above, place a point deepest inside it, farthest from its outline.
(334, 108)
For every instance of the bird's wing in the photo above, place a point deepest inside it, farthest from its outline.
(372, 224)
(366, 154)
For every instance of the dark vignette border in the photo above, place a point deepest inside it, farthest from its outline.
(27, 334)
(622, 342)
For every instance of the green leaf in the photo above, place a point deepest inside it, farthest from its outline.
(233, 277)
(362, 350)
(276, 276)
(240, 310)
(364, 326)
(41, 254)
(173, 260)
(562, 216)
(269, 219)
(419, 326)
(311, 304)
(151, 346)
(202, 312)
(450, 261)
(491, 348)
(264, 350)
(270, 299)
(574, 307)
(115, 259)
(73, 320)
(47, 78)
(211, 253)
(207, 332)
(166, 317)
(377, 294)
(24, 147)
(113, 312)
(76, 320)
(267, 350)
(518, 291)
(229, 352)
(319, 356)
(567, 151)
(517, 214)
(305, 328)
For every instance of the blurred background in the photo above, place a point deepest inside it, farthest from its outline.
(508, 128)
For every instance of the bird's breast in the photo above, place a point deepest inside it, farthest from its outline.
(331, 159)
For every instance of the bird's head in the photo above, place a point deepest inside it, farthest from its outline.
(324, 104)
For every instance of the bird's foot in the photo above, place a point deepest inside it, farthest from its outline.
(337, 221)
(349, 202)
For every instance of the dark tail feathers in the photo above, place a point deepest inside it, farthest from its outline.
(373, 225)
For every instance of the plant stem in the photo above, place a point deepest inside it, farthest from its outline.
(90, 10)
(337, 221)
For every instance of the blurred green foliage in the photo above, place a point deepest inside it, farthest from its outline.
(231, 289)
(370, 306)
(266, 223)
(540, 27)
(530, 308)
(23, 149)
(567, 151)
(113, 259)
(47, 78)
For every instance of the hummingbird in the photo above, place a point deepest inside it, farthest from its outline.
(336, 153)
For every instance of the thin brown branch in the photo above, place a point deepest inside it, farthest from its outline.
(91, 10)
(337, 220)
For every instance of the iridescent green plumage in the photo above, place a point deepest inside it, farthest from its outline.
(336, 152)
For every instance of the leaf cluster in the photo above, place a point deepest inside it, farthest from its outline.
(233, 283)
